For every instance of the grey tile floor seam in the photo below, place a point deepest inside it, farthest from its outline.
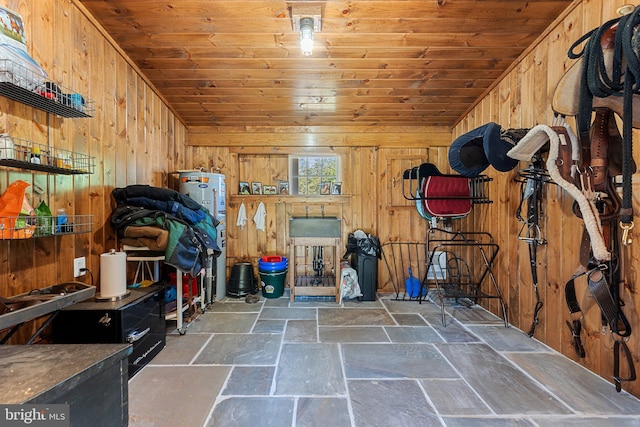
(359, 364)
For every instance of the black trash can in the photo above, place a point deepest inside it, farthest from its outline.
(363, 252)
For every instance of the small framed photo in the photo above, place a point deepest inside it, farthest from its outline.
(269, 189)
(256, 188)
(325, 187)
(283, 187)
(336, 188)
(244, 188)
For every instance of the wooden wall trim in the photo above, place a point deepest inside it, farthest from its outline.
(410, 137)
(262, 150)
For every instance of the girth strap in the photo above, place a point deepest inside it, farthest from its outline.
(570, 293)
(599, 288)
(611, 312)
(575, 326)
(616, 364)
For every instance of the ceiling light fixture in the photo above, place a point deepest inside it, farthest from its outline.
(306, 19)
(306, 36)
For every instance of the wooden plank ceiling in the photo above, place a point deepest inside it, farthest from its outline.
(374, 62)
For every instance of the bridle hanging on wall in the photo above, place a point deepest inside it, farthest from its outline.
(532, 180)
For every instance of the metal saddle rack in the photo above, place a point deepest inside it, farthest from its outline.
(465, 260)
(454, 265)
(443, 196)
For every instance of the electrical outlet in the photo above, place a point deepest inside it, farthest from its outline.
(78, 265)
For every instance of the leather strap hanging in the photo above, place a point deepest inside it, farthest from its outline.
(617, 379)
(532, 192)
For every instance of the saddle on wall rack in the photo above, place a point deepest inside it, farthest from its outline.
(443, 196)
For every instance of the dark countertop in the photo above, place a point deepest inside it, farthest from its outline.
(46, 371)
(133, 296)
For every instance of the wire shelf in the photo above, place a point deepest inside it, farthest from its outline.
(23, 85)
(24, 154)
(30, 226)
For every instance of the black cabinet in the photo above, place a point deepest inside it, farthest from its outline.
(137, 319)
(90, 378)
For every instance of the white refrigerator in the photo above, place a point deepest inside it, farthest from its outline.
(208, 189)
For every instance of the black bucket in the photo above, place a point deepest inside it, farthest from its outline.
(242, 281)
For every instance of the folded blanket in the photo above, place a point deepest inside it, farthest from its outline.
(155, 238)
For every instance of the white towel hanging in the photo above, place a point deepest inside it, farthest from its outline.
(260, 217)
(242, 216)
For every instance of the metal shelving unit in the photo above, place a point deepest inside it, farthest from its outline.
(26, 227)
(23, 85)
(28, 155)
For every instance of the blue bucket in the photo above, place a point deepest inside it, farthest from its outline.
(272, 264)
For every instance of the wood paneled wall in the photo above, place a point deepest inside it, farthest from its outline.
(371, 197)
(133, 136)
(516, 102)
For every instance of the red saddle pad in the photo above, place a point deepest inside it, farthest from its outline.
(447, 196)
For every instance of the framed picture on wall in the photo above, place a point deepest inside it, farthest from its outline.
(244, 188)
(269, 189)
(336, 188)
(325, 187)
(256, 188)
(283, 187)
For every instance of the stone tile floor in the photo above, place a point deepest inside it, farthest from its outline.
(382, 363)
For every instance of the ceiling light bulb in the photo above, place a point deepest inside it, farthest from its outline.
(306, 36)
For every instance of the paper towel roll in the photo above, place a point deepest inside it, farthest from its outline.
(113, 274)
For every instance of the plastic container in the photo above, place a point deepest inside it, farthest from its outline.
(61, 221)
(242, 281)
(170, 294)
(273, 283)
(272, 264)
(35, 156)
(7, 149)
(273, 273)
